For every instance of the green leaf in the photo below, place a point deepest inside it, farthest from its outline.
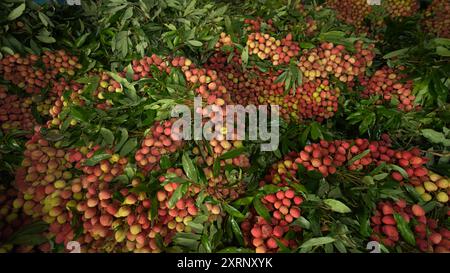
(237, 231)
(130, 72)
(127, 15)
(107, 135)
(442, 41)
(53, 135)
(96, 159)
(358, 157)
(368, 180)
(79, 113)
(244, 201)
(337, 206)
(165, 162)
(123, 138)
(304, 136)
(197, 227)
(171, 27)
(44, 19)
(190, 7)
(429, 206)
(17, 12)
(270, 188)
(367, 122)
(233, 211)
(195, 43)
(340, 246)
(396, 53)
(46, 39)
(178, 194)
(261, 209)
(80, 41)
(434, 136)
(331, 35)
(30, 229)
(442, 51)
(130, 90)
(29, 240)
(302, 222)
(121, 43)
(400, 170)
(233, 249)
(299, 188)
(189, 168)
(128, 146)
(206, 243)
(191, 244)
(315, 131)
(216, 167)
(317, 242)
(244, 56)
(232, 154)
(404, 229)
(364, 224)
(380, 176)
(306, 45)
(7, 50)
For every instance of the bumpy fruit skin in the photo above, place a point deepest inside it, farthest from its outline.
(330, 59)
(159, 142)
(33, 73)
(417, 210)
(429, 238)
(265, 46)
(12, 217)
(284, 208)
(437, 18)
(401, 8)
(432, 186)
(442, 197)
(15, 112)
(352, 12)
(326, 156)
(390, 84)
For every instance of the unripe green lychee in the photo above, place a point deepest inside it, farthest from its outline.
(442, 197)
(442, 183)
(430, 186)
(426, 197)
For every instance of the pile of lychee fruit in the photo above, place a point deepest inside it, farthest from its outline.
(256, 24)
(61, 89)
(33, 73)
(427, 235)
(243, 86)
(142, 67)
(330, 59)
(315, 99)
(391, 86)
(400, 8)
(158, 142)
(264, 235)
(433, 186)
(15, 111)
(44, 183)
(437, 18)
(352, 12)
(224, 40)
(12, 218)
(267, 47)
(327, 156)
